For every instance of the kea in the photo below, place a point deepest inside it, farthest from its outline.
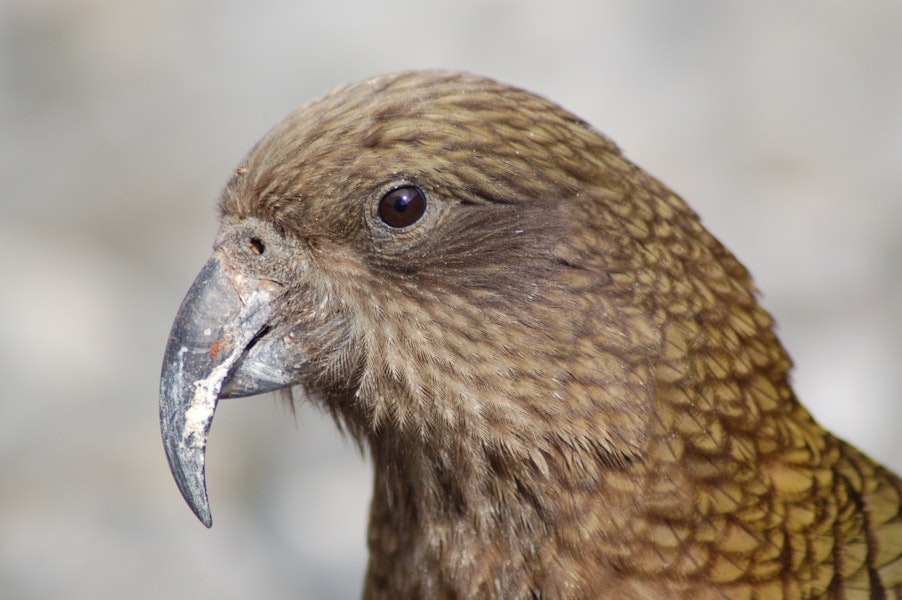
(565, 383)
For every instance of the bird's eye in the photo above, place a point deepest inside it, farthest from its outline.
(402, 207)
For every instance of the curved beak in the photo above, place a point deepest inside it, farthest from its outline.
(222, 319)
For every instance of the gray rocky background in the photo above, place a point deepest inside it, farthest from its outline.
(780, 122)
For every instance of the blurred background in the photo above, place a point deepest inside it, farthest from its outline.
(780, 122)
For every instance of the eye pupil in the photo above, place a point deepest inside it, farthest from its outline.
(402, 207)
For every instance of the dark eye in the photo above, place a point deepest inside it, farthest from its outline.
(402, 207)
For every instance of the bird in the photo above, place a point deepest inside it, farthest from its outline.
(566, 385)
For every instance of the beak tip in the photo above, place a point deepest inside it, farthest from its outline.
(187, 468)
(204, 516)
(195, 494)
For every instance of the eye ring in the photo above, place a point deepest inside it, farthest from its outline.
(402, 206)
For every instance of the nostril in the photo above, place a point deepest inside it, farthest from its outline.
(257, 245)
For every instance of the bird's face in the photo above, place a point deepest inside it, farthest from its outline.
(567, 385)
(402, 251)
